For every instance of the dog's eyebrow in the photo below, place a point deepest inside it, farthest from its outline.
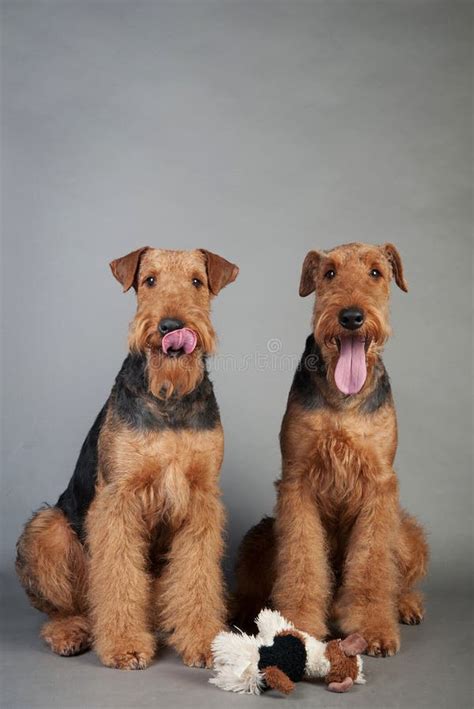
(148, 273)
(329, 264)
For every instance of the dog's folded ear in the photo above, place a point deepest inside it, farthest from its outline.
(125, 269)
(219, 271)
(308, 273)
(391, 252)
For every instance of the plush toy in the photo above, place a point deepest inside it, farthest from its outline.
(280, 655)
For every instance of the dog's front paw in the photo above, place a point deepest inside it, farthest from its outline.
(125, 654)
(198, 659)
(195, 649)
(375, 622)
(383, 642)
(130, 660)
(198, 653)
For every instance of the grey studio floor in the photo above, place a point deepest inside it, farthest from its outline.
(433, 669)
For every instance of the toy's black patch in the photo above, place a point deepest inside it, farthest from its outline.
(137, 408)
(78, 495)
(288, 653)
(381, 394)
(309, 376)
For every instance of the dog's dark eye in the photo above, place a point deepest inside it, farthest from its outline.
(375, 273)
(150, 281)
(197, 283)
(330, 274)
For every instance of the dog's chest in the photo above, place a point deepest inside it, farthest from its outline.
(161, 469)
(346, 457)
(350, 445)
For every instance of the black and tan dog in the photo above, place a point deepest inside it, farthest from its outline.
(339, 537)
(135, 541)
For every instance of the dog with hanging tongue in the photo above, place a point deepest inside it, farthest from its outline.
(134, 543)
(340, 548)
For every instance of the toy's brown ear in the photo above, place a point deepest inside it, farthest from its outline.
(219, 271)
(353, 645)
(125, 269)
(393, 256)
(277, 679)
(308, 273)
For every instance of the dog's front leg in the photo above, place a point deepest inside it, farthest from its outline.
(119, 592)
(367, 599)
(302, 585)
(192, 587)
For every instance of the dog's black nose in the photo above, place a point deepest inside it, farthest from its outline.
(351, 318)
(169, 324)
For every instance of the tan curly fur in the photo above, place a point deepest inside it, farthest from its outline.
(151, 556)
(339, 546)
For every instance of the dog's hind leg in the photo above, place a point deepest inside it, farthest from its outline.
(255, 575)
(51, 566)
(413, 562)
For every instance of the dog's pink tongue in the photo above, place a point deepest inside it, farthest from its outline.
(185, 339)
(351, 368)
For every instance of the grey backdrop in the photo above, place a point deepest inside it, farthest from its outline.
(258, 130)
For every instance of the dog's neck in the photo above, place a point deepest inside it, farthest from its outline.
(137, 406)
(314, 386)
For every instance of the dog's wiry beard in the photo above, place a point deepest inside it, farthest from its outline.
(328, 333)
(177, 375)
(168, 375)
